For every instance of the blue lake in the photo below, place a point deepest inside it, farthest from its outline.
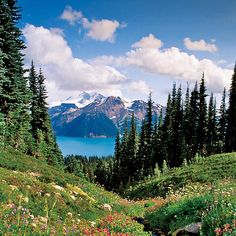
(86, 146)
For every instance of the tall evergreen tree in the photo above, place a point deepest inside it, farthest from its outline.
(185, 154)
(211, 127)
(34, 106)
(147, 147)
(231, 116)
(202, 120)
(222, 123)
(123, 154)
(15, 104)
(166, 129)
(132, 152)
(193, 121)
(116, 176)
(175, 141)
(45, 131)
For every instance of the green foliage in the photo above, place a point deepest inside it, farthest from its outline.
(212, 204)
(231, 116)
(202, 170)
(36, 198)
(178, 214)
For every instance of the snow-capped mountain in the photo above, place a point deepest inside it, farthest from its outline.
(84, 99)
(114, 108)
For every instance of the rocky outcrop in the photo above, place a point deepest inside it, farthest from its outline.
(191, 230)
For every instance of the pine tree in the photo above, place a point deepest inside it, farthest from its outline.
(33, 79)
(211, 127)
(175, 140)
(123, 155)
(116, 176)
(231, 116)
(222, 123)
(132, 151)
(156, 144)
(165, 130)
(193, 121)
(202, 120)
(185, 154)
(15, 103)
(146, 147)
(44, 129)
(4, 82)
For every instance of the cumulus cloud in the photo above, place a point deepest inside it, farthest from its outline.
(200, 45)
(101, 30)
(172, 62)
(71, 15)
(139, 86)
(63, 71)
(148, 42)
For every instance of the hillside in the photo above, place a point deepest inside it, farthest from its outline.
(37, 199)
(199, 197)
(202, 170)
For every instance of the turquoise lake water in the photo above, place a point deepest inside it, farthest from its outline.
(86, 146)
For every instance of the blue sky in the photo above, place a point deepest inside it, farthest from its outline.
(127, 47)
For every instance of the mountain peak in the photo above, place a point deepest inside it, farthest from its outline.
(84, 98)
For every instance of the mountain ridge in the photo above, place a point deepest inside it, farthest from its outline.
(114, 108)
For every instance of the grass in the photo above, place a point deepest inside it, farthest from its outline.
(204, 191)
(206, 170)
(37, 199)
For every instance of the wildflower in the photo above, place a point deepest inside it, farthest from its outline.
(93, 223)
(33, 225)
(13, 187)
(57, 187)
(218, 231)
(43, 219)
(57, 194)
(28, 186)
(25, 199)
(69, 214)
(78, 221)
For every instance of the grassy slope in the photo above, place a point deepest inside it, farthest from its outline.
(30, 204)
(201, 192)
(206, 170)
(37, 199)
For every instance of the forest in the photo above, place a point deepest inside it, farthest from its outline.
(192, 127)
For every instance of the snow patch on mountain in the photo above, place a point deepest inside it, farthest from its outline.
(84, 99)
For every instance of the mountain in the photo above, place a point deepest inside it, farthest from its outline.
(91, 125)
(113, 108)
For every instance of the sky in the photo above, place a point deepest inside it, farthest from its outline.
(129, 47)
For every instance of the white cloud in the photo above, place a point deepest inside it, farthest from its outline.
(200, 45)
(172, 62)
(64, 72)
(148, 42)
(71, 15)
(140, 86)
(101, 30)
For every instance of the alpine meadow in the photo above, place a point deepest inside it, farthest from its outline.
(93, 71)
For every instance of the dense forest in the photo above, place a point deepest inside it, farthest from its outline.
(24, 119)
(192, 127)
